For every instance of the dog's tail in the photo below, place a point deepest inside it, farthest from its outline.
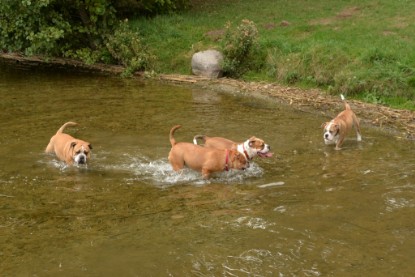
(172, 140)
(60, 131)
(346, 105)
(202, 137)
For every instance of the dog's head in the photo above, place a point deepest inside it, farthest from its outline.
(256, 146)
(331, 132)
(238, 160)
(81, 151)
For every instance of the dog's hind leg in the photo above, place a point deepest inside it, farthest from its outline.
(205, 173)
(176, 164)
(49, 148)
(356, 125)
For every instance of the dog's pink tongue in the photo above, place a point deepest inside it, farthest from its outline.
(265, 155)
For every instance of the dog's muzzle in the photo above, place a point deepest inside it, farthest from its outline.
(80, 158)
(329, 139)
(265, 152)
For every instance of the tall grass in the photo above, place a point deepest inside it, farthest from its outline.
(364, 49)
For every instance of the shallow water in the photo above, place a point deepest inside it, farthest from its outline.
(308, 211)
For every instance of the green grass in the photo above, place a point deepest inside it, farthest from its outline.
(364, 49)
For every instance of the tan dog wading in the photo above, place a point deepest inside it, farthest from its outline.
(205, 160)
(67, 148)
(336, 130)
(250, 148)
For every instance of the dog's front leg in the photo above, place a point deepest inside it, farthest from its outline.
(205, 173)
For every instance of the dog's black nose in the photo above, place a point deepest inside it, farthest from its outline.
(326, 135)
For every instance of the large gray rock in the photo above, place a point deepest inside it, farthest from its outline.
(207, 63)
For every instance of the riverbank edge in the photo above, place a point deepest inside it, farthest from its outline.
(400, 123)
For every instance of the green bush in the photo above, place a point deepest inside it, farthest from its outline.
(80, 29)
(126, 48)
(52, 27)
(239, 46)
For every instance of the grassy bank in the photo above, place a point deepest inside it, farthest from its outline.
(364, 49)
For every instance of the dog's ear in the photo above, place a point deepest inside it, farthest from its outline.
(238, 156)
(233, 155)
(324, 125)
(73, 143)
(252, 140)
(337, 126)
(90, 146)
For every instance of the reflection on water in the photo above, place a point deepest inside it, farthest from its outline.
(308, 211)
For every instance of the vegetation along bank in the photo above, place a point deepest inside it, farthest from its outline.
(363, 49)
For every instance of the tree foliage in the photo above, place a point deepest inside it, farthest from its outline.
(81, 29)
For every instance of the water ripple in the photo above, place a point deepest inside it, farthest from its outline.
(160, 173)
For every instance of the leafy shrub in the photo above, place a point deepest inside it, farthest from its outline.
(126, 48)
(80, 29)
(52, 27)
(238, 47)
(23, 26)
(87, 55)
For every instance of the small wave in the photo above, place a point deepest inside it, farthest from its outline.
(137, 167)
(253, 222)
(271, 184)
(394, 203)
(60, 165)
(160, 173)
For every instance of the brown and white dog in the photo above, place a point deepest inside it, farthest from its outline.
(203, 159)
(250, 148)
(336, 130)
(69, 149)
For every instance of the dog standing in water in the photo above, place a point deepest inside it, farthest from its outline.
(203, 159)
(336, 130)
(250, 148)
(67, 148)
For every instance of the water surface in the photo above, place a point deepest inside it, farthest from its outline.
(308, 211)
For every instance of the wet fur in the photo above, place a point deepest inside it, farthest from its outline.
(337, 129)
(67, 148)
(250, 148)
(203, 159)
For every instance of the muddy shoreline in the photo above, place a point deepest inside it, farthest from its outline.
(401, 123)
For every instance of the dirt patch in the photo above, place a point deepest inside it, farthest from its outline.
(215, 35)
(346, 13)
(400, 23)
(269, 26)
(399, 122)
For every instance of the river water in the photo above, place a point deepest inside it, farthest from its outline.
(307, 211)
